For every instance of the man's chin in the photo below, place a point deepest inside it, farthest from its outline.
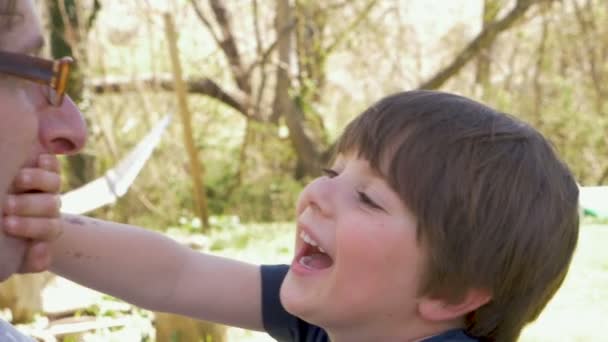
(12, 251)
(5, 275)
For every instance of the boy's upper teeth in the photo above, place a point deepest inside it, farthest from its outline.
(310, 241)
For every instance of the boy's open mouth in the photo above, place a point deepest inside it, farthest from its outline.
(312, 256)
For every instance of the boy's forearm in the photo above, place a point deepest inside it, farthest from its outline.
(156, 273)
(127, 262)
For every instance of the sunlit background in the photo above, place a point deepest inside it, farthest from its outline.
(547, 66)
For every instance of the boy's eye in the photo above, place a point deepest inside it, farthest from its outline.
(368, 201)
(329, 172)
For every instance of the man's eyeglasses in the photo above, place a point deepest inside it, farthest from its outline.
(51, 73)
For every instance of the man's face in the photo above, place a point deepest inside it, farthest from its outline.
(30, 126)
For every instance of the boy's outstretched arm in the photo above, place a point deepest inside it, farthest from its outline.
(156, 273)
(139, 266)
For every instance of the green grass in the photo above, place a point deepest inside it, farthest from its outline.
(256, 243)
(576, 313)
(579, 311)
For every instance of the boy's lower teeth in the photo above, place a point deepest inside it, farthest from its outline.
(316, 261)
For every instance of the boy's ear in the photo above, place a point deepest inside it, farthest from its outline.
(436, 309)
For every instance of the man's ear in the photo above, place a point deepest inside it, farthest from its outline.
(436, 309)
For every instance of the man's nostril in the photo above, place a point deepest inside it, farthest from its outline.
(63, 146)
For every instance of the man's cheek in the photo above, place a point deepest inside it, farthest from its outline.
(6, 180)
(16, 151)
(10, 163)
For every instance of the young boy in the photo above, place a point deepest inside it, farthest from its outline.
(439, 220)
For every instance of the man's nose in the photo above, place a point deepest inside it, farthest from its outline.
(62, 129)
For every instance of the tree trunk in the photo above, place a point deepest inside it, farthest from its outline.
(490, 11)
(196, 168)
(65, 40)
(21, 293)
(284, 102)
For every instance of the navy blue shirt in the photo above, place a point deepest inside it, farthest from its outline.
(9, 333)
(285, 327)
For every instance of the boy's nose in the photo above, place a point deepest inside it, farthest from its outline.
(62, 129)
(318, 196)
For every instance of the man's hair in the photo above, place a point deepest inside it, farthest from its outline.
(495, 207)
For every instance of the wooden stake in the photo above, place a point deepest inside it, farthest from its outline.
(181, 93)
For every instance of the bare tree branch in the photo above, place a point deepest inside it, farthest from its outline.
(256, 26)
(205, 21)
(203, 86)
(490, 12)
(263, 56)
(588, 28)
(536, 82)
(228, 45)
(483, 40)
(258, 44)
(330, 7)
(350, 27)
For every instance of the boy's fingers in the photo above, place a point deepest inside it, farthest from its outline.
(37, 180)
(34, 205)
(40, 229)
(49, 162)
(37, 258)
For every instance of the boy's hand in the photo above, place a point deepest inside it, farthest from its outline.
(33, 211)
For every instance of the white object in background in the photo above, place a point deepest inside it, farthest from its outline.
(115, 182)
(594, 200)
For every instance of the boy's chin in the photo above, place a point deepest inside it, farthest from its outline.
(295, 299)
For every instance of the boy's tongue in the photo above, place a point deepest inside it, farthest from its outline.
(316, 260)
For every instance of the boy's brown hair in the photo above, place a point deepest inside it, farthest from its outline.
(495, 207)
